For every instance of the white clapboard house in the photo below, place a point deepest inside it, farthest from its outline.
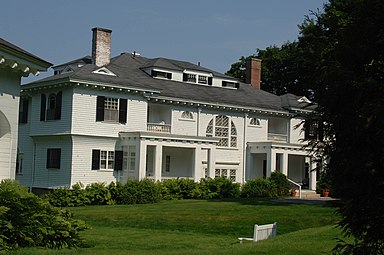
(102, 119)
(14, 64)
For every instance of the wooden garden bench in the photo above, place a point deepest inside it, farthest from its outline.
(261, 232)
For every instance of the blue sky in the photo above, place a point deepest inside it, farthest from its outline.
(213, 32)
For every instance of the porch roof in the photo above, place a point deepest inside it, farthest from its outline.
(170, 137)
(262, 147)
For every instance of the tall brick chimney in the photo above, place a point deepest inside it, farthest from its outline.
(253, 72)
(101, 46)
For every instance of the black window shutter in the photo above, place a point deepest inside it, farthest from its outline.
(185, 77)
(209, 80)
(59, 99)
(95, 159)
(224, 84)
(23, 116)
(49, 158)
(169, 76)
(154, 73)
(43, 106)
(118, 160)
(237, 85)
(100, 108)
(123, 111)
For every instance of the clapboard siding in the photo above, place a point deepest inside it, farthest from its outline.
(82, 160)
(296, 132)
(84, 114)
(257, 133)
(182, 126)
(25, 147)
(51, 127)
(52, 178)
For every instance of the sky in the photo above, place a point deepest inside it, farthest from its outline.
(215, 33)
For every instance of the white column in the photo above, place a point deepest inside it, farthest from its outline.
(312, 174)
(158, 160)
(271, 162)
(197, 166)
(142, 159)
(211, 162)
(284, 169)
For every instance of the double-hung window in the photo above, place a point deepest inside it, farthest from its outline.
(107, 160)
(110, 109)
(50, 108)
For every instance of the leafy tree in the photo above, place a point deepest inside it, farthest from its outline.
(349, 69)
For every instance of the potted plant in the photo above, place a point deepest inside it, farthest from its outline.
(324, 184)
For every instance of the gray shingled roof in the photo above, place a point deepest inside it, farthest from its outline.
(129, 73)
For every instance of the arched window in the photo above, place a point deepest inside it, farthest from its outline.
(221, 127)
(187, 115)
(255, 122)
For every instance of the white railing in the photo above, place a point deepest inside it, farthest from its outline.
(296, 184)
(277, 137)
(157, 127)
(163, 178)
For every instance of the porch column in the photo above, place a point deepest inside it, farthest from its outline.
(248, 165)
(142, 159)
(271, 162)
(284, 169)
(312, 174)
(211, 162)
(197, 166)
(158, 158)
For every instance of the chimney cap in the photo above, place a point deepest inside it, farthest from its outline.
(102, 29)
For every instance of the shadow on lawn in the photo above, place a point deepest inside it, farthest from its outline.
(281, 201)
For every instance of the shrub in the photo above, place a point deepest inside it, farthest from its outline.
(281, 182)
(135, 192)
(65, 197)
(174, 189)
(28, 220)
(98, 194)
(259, 187)
(220, 187)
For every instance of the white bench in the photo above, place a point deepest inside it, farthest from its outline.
(261, 232)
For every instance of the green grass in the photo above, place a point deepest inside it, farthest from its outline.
(203, 227)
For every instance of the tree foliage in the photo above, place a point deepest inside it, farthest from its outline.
(338, 60)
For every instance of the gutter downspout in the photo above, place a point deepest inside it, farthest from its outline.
(245, 147)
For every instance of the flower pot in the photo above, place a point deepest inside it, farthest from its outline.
(293, 193)
(325, 193)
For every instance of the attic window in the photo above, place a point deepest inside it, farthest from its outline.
(187, 115)
(67, 69)
(304, 100)
(230, 84)
(255, 122)
(160, 74)
(104, 71)
(203, 79)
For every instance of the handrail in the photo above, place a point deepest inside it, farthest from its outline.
(295, 183)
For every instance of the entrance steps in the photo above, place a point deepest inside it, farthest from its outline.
(307, 194)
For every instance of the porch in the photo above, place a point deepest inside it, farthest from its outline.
(292, 160)
(162, 156)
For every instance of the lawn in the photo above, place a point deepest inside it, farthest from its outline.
(203, 227)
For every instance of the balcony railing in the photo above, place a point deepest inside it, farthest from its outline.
(159, 128)
(277, 137)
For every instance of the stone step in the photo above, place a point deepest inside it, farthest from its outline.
(307, 194)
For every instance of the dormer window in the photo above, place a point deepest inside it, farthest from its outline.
(160, 74)
(203, 79)
(189, 77)
(230, 84)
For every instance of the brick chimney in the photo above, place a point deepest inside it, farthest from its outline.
(253, 72)
(101, 46)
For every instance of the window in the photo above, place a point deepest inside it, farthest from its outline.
(23, 111)
(187, 115)
(230, 84)
(313, 130)
(160, 74)
(50, 108)
(53, 158)
(203, 79)
(189, 77)
(111, 109)
(167, 163)
(224, 129)
(19, 163)
(255, 122)
(132, 157)
(226, 173)
(112, 160)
